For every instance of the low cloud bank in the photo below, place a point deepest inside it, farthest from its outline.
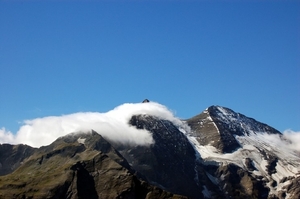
(288, 142)
(112, 125)
(293, 138)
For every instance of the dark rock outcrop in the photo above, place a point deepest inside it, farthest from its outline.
(12, 156)
(294, 188)
(167, 162)
(145, 101)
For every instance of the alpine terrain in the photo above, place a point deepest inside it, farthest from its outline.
(216, 154)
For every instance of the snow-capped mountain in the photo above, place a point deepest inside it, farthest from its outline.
(216, 154)
(226, 138)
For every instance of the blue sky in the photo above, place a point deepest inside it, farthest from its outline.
(62, 57)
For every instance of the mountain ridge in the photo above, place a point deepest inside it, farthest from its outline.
(216, 154)
(70, 169)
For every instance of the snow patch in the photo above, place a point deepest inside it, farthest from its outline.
(287, 165)
(224, 112)
(81, 140)
(283, 171)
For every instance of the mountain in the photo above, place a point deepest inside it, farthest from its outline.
(216, 154)
(248, 162)
(218, 126)
(79, 165)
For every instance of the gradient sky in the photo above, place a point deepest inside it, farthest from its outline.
(61, 57)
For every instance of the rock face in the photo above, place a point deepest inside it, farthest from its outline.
(167, 162)
(240, 156)
(218, 126)
(224, 154)
(11, 157)
(91, 168)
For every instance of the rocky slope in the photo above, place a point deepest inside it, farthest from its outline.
(218, 154)
(11, 157)
(77, 166)
(247, 162)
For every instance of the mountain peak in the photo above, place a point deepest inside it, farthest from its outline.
(145, 101)
(219, 125)
(236, 141)
(238, 123)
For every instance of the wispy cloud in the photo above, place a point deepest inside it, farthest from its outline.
(287, 142)
(112, 125)
(293, 137)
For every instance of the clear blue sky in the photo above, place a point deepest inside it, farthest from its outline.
(61, 57)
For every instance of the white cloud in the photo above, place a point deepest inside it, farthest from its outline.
(287, 142)
(112, 125)
(6, 136)
(293, 137)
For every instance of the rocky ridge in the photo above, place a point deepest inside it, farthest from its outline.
(79, 165)
(224, 154)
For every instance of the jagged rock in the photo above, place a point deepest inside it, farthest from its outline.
(271, 167)
(293, 189)
(238, 183)
(146, 101)
(249, 164)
